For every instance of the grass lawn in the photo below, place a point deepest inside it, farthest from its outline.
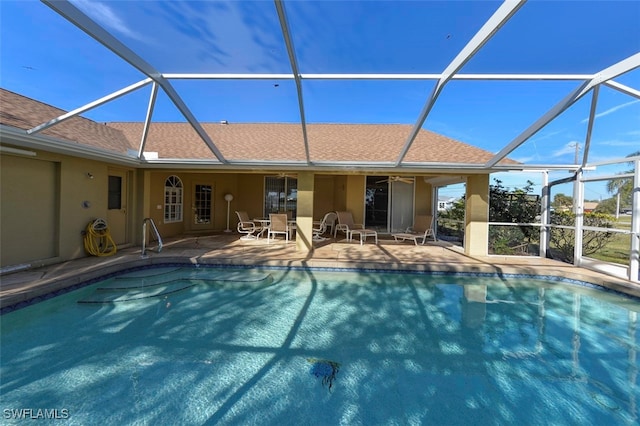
(617, 250)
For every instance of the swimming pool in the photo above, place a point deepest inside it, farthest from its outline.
(175, 345)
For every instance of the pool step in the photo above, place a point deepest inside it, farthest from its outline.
(139, 286)
(139, 282)
(101, 297)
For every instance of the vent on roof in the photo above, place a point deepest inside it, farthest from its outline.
(224, 122)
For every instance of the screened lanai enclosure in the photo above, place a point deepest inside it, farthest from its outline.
(550, 89)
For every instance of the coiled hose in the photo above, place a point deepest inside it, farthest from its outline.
(97, 239)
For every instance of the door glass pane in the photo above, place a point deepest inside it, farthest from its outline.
(401, 206)
(273, 194)
(115, 193)
(291, 203)
(280, 195)
(202, 204)
(377, 202)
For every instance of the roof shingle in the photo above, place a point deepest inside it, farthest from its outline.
(247, 141)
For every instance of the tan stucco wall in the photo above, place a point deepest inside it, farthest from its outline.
(29, 209)
(43, 206)
(323, 197)
(246, 190)
(423, 203)
(354, 197)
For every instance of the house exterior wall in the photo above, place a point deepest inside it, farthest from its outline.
(246, 189)
(340, 193)
(46, 203)
(354, 197)
(324, 195)
(423, 203)
(48, 200)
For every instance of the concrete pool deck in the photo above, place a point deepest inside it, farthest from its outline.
(228, 249)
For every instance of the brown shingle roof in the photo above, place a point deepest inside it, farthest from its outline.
(247, 141)
(25, 113)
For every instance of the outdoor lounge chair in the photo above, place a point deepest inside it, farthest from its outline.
(247, 226)
(278, 224)
(346, 225)
(422, 228)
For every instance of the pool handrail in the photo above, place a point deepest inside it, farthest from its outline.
(144, 235)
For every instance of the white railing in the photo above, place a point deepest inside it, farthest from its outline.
(144, 235)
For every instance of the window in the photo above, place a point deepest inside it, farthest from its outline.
(280, 195)
(173, 199)
(115, 193)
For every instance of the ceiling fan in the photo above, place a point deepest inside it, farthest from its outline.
(397, 179)
(283, 175)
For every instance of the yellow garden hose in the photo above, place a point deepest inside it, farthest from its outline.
(97, 239)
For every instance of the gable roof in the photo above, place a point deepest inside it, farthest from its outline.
(246, 142)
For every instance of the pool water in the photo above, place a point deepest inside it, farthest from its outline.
(194, 346)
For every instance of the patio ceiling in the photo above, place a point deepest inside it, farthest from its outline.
(281, 50)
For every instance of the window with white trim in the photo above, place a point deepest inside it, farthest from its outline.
(173, 199)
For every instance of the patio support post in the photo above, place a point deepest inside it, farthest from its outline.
(578, 210)
(545, 215)
(634, 256)
(476, 218)
(304, 219)
(143, 203)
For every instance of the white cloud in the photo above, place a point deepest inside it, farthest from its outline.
(568, 148)
(612, 110)
(616, 142)
(542, 136)
(525, 160)
(105, 16)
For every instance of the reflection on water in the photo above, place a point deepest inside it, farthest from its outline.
(234, 347)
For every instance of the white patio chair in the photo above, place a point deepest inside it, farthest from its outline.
(247, 226)
(319, 228)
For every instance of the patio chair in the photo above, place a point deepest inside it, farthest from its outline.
(319, 228)
(347, 225)
(422, 228)
(247, 226)
(331, 218)
(278, 224)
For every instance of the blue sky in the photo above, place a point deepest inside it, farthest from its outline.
(45, 57)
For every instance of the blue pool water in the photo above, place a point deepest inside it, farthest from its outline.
(197, 346)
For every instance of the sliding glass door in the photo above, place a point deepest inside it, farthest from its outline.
(388, 203)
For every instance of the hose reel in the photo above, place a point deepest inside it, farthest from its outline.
(98, 240)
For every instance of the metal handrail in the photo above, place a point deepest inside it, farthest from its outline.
(144, 235)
